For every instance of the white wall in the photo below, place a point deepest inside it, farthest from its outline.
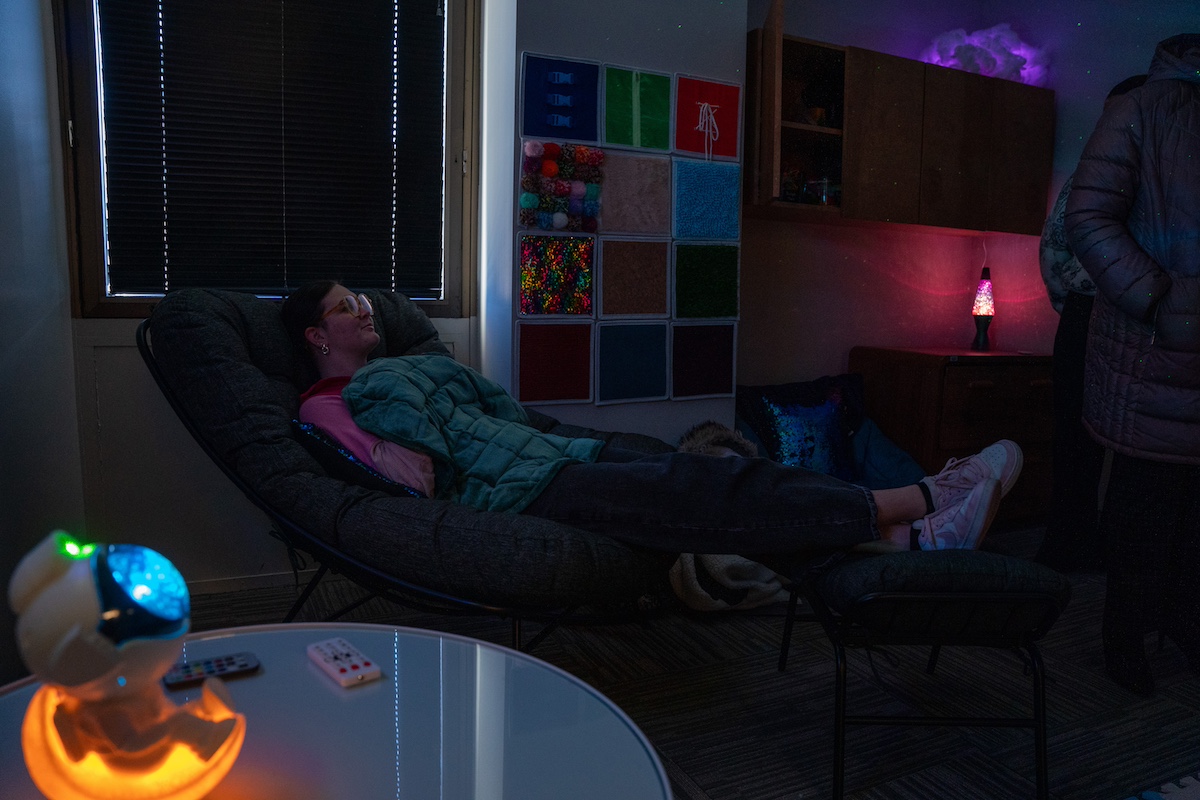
(40, 474)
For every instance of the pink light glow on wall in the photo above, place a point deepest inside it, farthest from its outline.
(997, 52)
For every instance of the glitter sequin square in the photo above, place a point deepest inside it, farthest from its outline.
(556, 274)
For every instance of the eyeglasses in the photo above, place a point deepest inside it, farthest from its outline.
(355, 305)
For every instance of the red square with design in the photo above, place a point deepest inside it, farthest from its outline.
(707, 115)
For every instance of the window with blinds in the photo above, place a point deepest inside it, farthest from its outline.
(256, 145)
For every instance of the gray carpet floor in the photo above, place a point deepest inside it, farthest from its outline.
(729, 726)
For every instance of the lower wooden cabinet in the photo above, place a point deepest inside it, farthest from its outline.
(942, 404)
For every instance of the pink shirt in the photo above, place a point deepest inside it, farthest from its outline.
(322, 405)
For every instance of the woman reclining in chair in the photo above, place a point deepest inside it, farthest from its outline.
(433, 424)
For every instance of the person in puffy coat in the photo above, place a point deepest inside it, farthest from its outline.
(1072, 540)
(1133, 220)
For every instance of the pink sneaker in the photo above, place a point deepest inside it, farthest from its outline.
(1000, 461)
(963, 525)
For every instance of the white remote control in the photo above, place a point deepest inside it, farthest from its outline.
(343, 662)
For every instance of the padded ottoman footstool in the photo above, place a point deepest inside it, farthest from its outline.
(950, 597)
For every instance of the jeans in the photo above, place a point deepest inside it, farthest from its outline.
(1151, 521)
(691, 503)
(1072, 540)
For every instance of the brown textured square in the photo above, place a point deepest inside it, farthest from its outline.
(633, 277)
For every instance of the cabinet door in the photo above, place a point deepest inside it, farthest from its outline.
(755, 122)
(1023, 151)
(885, 104)
(955, 151)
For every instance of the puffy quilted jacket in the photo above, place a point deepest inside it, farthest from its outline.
(484, 452)
(1133, 220)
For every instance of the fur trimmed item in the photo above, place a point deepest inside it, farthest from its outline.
(714, 439)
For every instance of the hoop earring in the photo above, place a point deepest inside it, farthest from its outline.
(324, 349)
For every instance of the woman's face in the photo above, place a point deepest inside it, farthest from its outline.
(346, 332)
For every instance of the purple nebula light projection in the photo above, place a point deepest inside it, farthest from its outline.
(997, 52)
(556, 274)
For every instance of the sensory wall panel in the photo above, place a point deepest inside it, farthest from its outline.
(560, 186)
(555, 362)
(634, 277)
(706, 280)
(637, 191)
(631, 362)
(560, 99)
(708, 200)
(702, 360)
(556, 274)
(637, 108)
(628, 226)
(707, 117)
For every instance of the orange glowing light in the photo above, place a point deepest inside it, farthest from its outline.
(180, 775)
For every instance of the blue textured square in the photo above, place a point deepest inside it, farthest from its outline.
(707, 199)
(632, 362)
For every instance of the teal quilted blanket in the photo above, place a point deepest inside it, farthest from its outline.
(484, 452)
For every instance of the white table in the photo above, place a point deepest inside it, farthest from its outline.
(452, 718)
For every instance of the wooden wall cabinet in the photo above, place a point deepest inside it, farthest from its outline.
(884, 121)
(939, 404)
(872, 136)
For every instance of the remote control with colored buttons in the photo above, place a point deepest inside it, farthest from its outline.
(343, 662)
(184, 673)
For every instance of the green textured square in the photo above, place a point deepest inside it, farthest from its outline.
(706, 281)
(637, 108)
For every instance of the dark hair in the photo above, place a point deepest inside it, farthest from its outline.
(1127, 85)
(302, 309)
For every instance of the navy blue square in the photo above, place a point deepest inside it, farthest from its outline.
(562, 99)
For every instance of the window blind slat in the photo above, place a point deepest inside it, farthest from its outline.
(255, 145)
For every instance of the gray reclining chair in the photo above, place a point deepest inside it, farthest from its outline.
(226, 365)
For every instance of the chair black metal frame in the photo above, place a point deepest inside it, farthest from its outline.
(1005, 620)
(330, 559)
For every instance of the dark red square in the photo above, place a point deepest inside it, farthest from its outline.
(554, 362)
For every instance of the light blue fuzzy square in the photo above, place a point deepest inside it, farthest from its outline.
(707, 199)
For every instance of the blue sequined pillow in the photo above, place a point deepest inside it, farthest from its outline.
(807, 424)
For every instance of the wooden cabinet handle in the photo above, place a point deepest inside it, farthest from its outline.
(981, 385)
